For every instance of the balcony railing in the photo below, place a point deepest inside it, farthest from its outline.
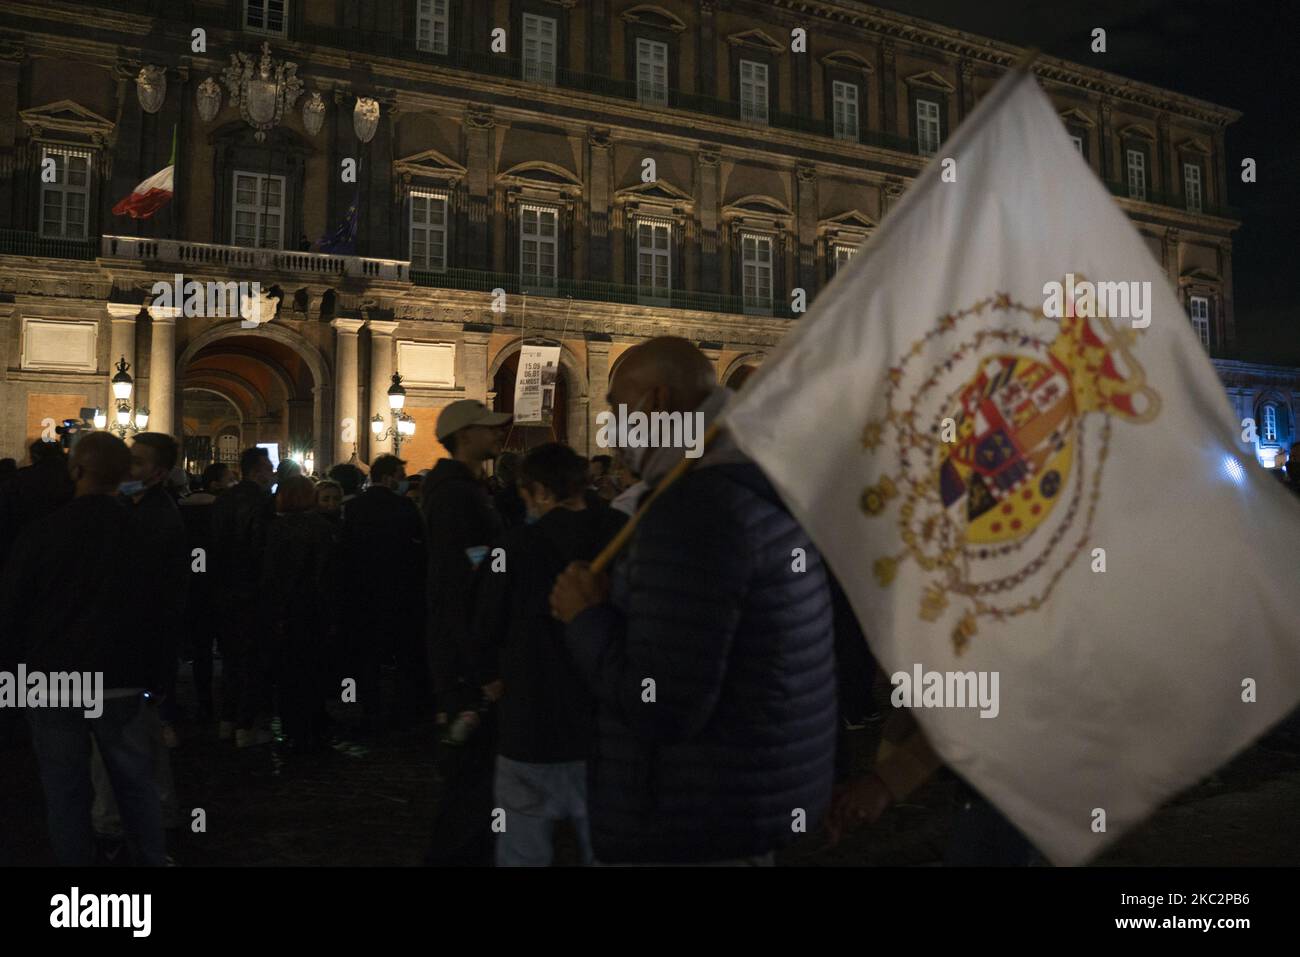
(1173, 201)
(584, 290)
(17, 242)
(209, 255)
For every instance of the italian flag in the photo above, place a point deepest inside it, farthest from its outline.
(151, 195)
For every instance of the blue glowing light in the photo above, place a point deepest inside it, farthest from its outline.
(1232, 468)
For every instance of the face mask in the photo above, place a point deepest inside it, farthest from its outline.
(131, 488)
(403, 486)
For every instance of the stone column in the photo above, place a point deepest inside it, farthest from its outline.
(1168, 178)
(1228, 320)
(708, 209)
(474, 365)
(806, 230)
(598, 388)
(599, 196)
(123, 316)
(381, 377)
(1171, 257)
(888, 96)
(162, 369)
(1105, 139)
(348, 427)
(480, 163)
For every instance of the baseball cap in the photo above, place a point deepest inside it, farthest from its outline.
(463, 413)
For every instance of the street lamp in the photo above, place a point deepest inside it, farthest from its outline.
(125, 421)
(403, 425)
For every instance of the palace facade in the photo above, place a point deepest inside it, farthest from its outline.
(419, 186)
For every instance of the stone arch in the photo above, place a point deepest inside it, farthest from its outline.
(322, 391)
(576, 376)
(735, 365)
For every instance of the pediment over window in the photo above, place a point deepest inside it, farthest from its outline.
(848, 60)
(1194, 146)
(1198, 275)
(1138, 131)
(660, 191)
(852, 222)
(755, 38)
(66, 117)
(1074, 117)
(762, 211)
(540, 174)
(429, 164)
(932, 80)
(651, 16)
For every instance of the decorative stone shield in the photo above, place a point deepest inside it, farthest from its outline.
(151, 88)
(365, 118)
(263, 89)
(208, 97)
(313, 114)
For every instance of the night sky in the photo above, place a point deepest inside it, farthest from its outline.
(1244, 55)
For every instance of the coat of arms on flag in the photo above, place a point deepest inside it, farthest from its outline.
(998, 474)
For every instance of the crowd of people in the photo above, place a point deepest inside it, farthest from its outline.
(688, 704)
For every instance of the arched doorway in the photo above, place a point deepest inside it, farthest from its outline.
(273, 380)
(738, 376)
(524, 437)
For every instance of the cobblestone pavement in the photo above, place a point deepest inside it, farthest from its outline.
(368, 802)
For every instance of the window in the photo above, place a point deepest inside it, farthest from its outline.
(756, 266)
(1078, 143)
(538, 246)
(1192, 186)
(753, 91)
(1137, 174)
(432, 24)
(259, 211)
(1270, 423)
(652, 72)
(265, 16)
(1200, 310)
(843, 253)
(539, 49)
(64, 202)
(846, 110)
(927, 127)
(654, 271)
(228, 448)
(428, 231)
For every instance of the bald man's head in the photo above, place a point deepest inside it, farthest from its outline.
(99, 463)
(676, 375)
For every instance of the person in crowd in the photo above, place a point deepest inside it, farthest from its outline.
(34, 492)
(415, 488)
(329, 500)
(60, 601)
(300, 586)
(460, 526)
(383, 545)
(287, 469)
(506, 499)
(350, 479)
(8, 469)
(202, 608)
(602, 477)
(706, 603)
(546, 716)
(240, 519)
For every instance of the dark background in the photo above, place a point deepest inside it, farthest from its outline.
(1242, 55)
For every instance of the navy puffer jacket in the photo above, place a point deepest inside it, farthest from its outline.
(740, 736)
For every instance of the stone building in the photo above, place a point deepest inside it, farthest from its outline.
(586, 173)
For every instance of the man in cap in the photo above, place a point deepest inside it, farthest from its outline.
(460, 526)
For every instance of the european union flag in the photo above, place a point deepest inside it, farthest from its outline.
(343, 241)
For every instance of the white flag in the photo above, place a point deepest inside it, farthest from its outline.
(1013, 470)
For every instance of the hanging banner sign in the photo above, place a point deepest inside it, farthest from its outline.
(535, 384)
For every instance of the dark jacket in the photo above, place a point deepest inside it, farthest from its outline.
(509, 505)
(301, 578)
(68, 597)
(546, 714)
(164, 568)
(33, 493)
(383, 548)
(457, 515)
(741, 732)
(240, 517)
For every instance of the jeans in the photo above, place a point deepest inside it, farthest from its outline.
(534, 797)
(105, 815)
(124, 733)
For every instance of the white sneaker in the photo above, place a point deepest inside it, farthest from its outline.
(225, 730)
(252, 737)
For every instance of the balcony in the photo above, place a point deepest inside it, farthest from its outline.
(211, 256)
(583, 290)
(1173, 201)
(17, 242)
